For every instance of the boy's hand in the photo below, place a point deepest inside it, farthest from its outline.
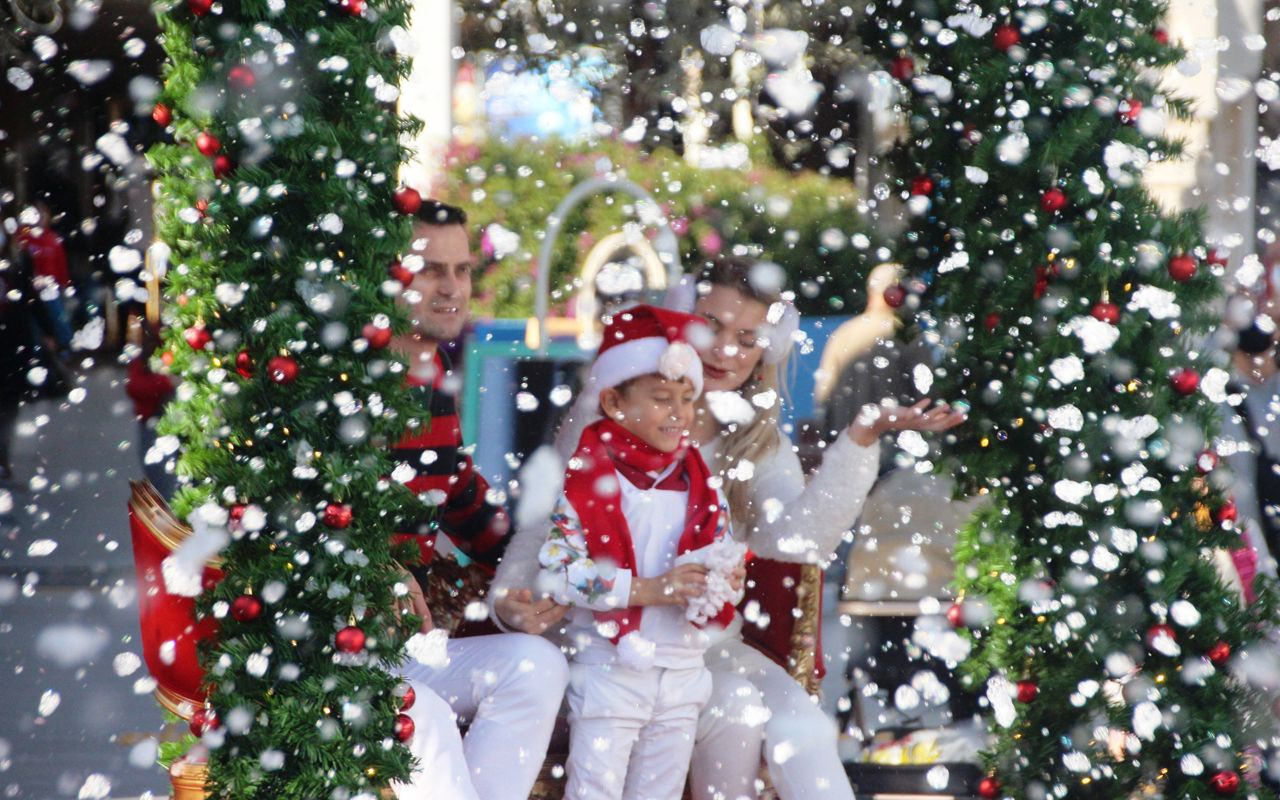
(674, 588)
(518, 609)
(738, 578)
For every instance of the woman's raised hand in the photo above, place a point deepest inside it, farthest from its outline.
(876, 420)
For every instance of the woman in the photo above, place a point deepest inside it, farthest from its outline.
(774, 512)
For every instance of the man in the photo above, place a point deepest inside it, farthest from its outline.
(509, 686)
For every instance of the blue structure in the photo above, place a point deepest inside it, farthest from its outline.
(499, 366)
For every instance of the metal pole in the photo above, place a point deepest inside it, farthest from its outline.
(665, 243)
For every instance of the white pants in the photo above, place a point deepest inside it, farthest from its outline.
(509, 686)
(631, 731)
(756, 703)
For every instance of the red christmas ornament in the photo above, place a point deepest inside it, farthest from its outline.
(902, 68)
(1219, 653)
(408, 698)
(407, 200)
(955, 615)
(1225, 782)
(922, 184)
(1158, 630)
(349, 640)
(1227, 512)
(1185, 381)
(197, 337)
(282, 369)
(1182, 267)
(241, 78)
(203, 719)
(1028, 690)
(1160, 35)
(207, 143)
(401, 273)
(222, 166)
(1107, 312)
(1216, 259)
(237, 512)
(200, 7)
(1005, 37)
(992, 321)
(353, 7)
(337, 515)
(895, 296)
(202, 206)
(1041, 284)
(377, 336)
(1053, 200)
(1129, 110)
(244, 364)
(162, 115)
(403, 727)
(989, 787)
(246, 608)
(1206, 462)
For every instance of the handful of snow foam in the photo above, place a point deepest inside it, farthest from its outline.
(720, 558)
(429, 649)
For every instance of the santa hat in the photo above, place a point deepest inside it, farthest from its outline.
(646, 340)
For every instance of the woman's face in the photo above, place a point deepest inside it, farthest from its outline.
(735, 351)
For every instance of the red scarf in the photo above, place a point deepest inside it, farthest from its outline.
(591, 486)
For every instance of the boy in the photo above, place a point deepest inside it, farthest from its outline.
(640, 548)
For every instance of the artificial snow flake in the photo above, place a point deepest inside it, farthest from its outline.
(1184, 613)
(1146, 718)
(430, 649)
(1160, 303)
(1191, 765)
(971, 23)
(1067, 370)
(976, 175)
(1073, 492)
(1214, 384)
(503, 240)
(730, 408)
(956, 260)
(1075, 761)
(1066, 418)
(1095, 335)
(1013, 149)
(1000, 693)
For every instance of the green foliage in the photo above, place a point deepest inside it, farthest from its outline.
(1100, 522)
(257, 263)
(807, 223)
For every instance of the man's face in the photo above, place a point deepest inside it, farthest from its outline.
(439, 297)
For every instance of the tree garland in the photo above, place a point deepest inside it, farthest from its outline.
(1073, 312)
(277, 198)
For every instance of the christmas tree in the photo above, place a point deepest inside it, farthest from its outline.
(1073, 311)
(278, 200)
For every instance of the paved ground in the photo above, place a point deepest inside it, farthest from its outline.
(71, 705)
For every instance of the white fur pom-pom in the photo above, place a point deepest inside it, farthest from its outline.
(677, 361)
(636, 652)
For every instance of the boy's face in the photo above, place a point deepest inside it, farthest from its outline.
(654, 408)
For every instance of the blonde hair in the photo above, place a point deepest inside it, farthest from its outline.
(756, 440)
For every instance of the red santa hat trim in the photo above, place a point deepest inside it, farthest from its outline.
(646, 340)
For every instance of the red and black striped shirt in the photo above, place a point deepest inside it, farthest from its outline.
(456, 495)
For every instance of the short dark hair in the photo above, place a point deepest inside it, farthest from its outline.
(1253, 340)
(435, 212)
